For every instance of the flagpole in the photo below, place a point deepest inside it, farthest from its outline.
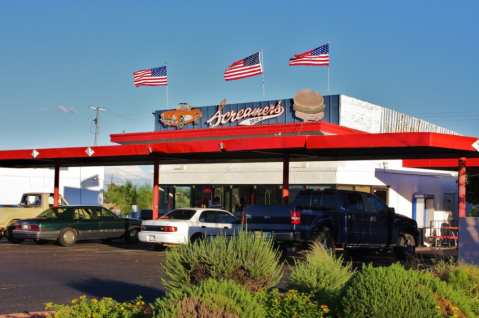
(166, 87)
(262, 71)
(328, 68)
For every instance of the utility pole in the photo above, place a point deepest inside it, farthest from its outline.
(96, 121)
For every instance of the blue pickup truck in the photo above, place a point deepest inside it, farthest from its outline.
(356, 221)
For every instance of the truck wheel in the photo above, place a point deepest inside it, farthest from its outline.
(10, 237)
(325, 240)
(405, 246)
(181, 123)
(68, 237)
(132, 235)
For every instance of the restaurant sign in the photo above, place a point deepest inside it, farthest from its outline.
(306, 105)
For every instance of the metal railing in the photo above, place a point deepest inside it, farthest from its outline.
(443, 234)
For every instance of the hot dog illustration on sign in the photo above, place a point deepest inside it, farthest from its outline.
(181, 116)
(247, 116)
(308, 105)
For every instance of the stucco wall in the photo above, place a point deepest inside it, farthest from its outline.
(79, 185)
(358, 114)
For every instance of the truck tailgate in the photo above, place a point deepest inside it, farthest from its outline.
(268, 217)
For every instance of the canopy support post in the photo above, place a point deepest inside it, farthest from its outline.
(156, 192)
(285, 178)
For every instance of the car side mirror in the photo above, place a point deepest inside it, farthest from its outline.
(391, 211)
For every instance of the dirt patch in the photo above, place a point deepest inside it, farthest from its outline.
(448, 308)
(239, 275)
(193, 308)
(27, 314)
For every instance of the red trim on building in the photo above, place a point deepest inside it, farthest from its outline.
(306, 128)
(445, 164)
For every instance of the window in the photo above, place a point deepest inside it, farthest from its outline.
(330, 200)
(377, 205)
(179, 215)
(83, 214)
(208, 217)
(316, 199)
(227, 218)
(105, 214)
(303, 198)
(356, 202)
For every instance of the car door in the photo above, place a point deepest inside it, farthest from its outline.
(210, 224)
(86, 223)
(111, 226)
(230, 224)
(377, 211)
(357, 219)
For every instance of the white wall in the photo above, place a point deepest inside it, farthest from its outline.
(79, 185)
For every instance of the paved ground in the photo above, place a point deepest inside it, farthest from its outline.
(32, 275)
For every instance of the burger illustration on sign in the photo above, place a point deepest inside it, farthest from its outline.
(308, 105)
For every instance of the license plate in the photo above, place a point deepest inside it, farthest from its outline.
(25, 226)
(150, 238)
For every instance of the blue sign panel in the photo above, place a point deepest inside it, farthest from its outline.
(187, 116)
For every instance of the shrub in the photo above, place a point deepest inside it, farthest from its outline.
(373, 292)
(291, 304)
(248, 260)
(104, 308)
(320, 274)
(403, 293)
(209, 299)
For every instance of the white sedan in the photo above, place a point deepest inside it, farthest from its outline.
(188, 224)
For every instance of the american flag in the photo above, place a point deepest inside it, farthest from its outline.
(246, 67)
(317, 57)
(151, 77)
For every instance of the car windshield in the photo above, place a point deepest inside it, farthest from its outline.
(179, 215)
(56, 213)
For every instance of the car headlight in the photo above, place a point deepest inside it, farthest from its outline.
(174, 116)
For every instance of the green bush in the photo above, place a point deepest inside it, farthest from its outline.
(104, 308)
(395, 291)
(291, 304)
(211, 298)
(248, 260)
(320, 274)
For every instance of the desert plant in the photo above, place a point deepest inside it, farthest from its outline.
(403, 293)
(103, 308)
(320, 274)
(291, 304)
(210, 299)
(393, 290)
(248, 260)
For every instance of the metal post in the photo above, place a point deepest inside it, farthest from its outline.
(96, 121)
(56, 184)
(156, 193)
(285, 178)
(462, 187)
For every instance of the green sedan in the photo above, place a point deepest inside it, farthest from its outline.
(68, 224)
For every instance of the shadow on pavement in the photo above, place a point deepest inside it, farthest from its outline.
(119, 291)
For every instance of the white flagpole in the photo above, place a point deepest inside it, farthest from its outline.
(167, 86)
(262, 70)
(328, 68)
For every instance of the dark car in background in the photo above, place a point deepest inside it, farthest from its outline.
(68, 224)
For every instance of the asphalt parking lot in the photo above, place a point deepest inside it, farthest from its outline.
(32, 275)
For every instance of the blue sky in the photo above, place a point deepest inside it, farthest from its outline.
(60, 57)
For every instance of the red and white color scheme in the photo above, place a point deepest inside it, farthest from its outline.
(316, 57)
(247, 67)
(151, 77)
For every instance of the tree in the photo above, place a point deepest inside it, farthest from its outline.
(472, 192)
(124, 196)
